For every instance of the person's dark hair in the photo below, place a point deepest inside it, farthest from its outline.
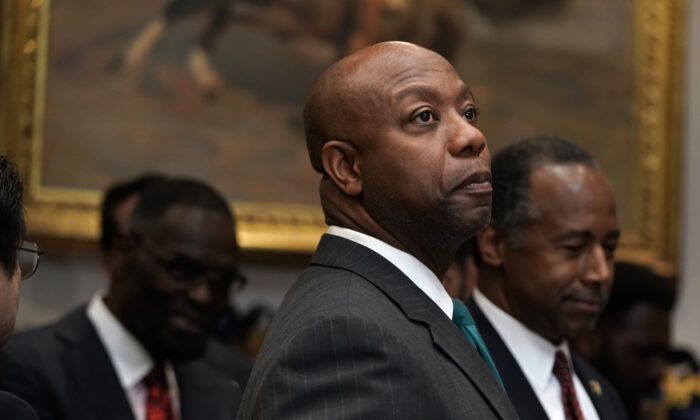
(161, 195)
(11, 215)
(114, 196)
(512, 206)
(636, 284)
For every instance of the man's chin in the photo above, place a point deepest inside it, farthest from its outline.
(179, 345)
(476, 220)
(186, 350)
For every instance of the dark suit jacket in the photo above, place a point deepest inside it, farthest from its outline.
(63, 371)
(13, 408)
(355, 338)
(604, 397)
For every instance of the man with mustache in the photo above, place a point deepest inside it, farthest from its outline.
(367, 331)
(141, 351)
(545, 272)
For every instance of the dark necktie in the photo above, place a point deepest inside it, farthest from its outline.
(465, 322)
(158, 404)
(561, 370)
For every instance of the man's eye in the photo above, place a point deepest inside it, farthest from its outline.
(575, 249)
(610, 250)
(425, 117)
(471, 114)
(184, 270)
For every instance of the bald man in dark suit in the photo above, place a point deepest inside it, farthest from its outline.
(366, 332)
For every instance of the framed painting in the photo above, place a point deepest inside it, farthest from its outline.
(92, 93)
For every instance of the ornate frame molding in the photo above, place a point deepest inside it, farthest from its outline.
(68, 214)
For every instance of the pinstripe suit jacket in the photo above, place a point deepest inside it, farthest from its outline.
(355, 338)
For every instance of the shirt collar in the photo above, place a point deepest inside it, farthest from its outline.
(534, 354)
(409, 265)
(130, 359)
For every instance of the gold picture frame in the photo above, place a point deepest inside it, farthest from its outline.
(69, 214)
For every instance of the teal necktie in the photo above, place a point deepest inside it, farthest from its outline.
(465, 322)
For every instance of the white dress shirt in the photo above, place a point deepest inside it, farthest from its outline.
(130, 359)
(535, 356)
(409, 265)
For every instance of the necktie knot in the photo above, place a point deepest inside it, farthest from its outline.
(561, 367)
(463, 319)
(156, 377)
(158, 404)
(460, 313)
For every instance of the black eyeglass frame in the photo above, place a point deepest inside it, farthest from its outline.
(25, 249)
(235, 282)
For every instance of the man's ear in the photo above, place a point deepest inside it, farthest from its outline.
(340, 162)
(491, 246)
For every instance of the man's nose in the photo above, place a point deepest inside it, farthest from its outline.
(465, 138)
(597, 266)
(201, 291)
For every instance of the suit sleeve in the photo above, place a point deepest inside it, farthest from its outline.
(12, 407)
(20, 378)
(343, 368)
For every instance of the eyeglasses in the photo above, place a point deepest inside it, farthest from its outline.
(28, 256)
(187, 270)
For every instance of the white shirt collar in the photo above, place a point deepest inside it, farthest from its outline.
(409, 265)
(534, 354)
(130, 359)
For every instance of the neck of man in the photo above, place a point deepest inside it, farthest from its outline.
(347, 212)
(492, 284)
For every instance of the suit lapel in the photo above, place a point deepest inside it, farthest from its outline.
(518, 388)
(88, 365)
(594, 388)
(206, 394)
(334, 251)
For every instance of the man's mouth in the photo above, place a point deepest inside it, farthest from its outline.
(586, 304)
(477, 183)
(189, 323)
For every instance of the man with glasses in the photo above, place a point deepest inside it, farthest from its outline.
(141, 351)
(18, 261)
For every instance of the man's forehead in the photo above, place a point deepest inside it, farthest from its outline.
(191, 222)
(397, 68)
(574, 194)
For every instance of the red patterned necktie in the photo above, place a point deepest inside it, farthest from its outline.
(572, 410)
(158, 404)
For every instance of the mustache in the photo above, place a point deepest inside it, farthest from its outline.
(592, 296)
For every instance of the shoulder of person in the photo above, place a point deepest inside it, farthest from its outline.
(14, 408)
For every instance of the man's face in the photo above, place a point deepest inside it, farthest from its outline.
(9, 302)
(636, 348)
(176, 281)
(558, 279)
(424, 164)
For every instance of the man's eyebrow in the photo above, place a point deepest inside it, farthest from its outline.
(615, 234)
(429, 93)
(578, 234)
(466, 93)
(574, 234)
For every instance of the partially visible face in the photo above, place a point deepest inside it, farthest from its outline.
(424, 164)
(9, 302)
(558, 280)
(176, 281)
(636, 349)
